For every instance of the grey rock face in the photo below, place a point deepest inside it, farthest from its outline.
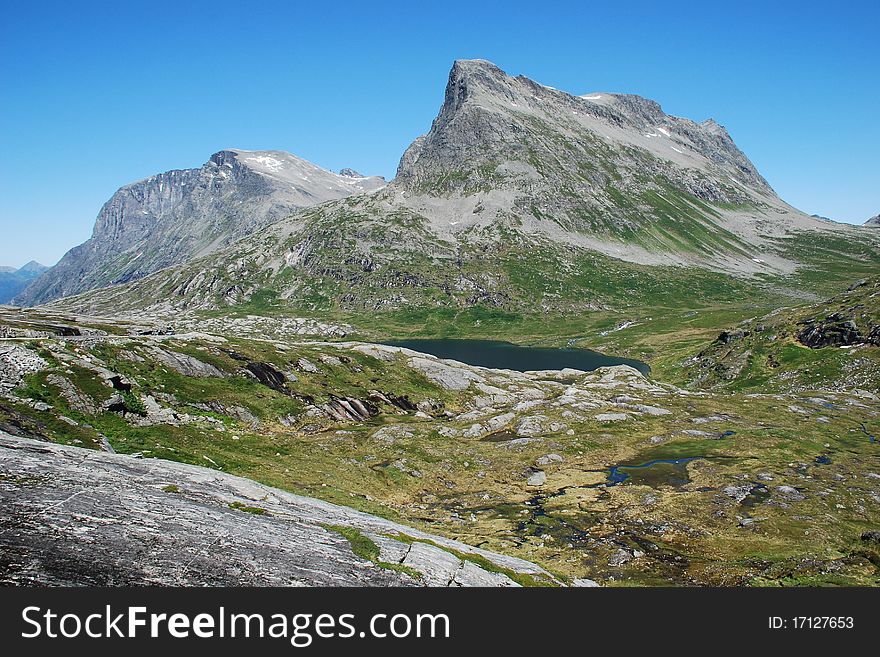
(176, 216)
(548, 459)
(873, 222)
(72, 516)
(446, 374)
(538, 478)
(185, 364)
(532, 425)
(513, 133)
(790, 493)
(75, 398)
(611, 417)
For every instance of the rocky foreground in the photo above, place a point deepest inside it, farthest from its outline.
(79, 517)
(607, 476)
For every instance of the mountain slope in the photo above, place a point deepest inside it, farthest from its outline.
(175, 216)
(13, 281)
(834, 344)
(523, 197)
(609, 171)
(873, 222)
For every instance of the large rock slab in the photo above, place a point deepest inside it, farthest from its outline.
(72, 516)
(186, 364)
(445, 373)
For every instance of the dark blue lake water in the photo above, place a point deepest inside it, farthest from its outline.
(505, 355)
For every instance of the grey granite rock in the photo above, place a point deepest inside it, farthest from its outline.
(15, 362)
(445, 373)
(547, 459)
(537, 479)
(186, 364)
(70, 516)
(611, 417)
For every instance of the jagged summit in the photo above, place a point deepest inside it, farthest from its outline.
(873, 222)
(471, 78)
(467, 77)
(489, 118)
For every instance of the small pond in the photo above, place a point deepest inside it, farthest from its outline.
(660, 472)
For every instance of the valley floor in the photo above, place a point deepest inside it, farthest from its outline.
(605, 475)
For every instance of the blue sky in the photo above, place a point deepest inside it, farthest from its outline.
(97, 94)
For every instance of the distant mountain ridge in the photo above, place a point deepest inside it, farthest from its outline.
(873, 222)
(172, 217)
(519, 196)
(13, 281)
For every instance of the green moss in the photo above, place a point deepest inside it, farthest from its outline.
(523, 579)
(255, 510)
(34, 388)
(400, 568)
(133, 403)
(365, 548)
(361, 545)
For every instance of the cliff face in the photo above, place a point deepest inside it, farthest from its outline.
(175, 216)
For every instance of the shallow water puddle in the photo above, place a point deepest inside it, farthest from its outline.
(659, 472)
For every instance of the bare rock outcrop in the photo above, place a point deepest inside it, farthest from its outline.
(72, 516)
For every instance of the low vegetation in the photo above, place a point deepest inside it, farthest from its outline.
(777, 487)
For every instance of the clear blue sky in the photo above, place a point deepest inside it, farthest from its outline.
(97, 94)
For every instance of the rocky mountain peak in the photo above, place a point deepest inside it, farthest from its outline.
(711, 125)
(467, 77)
(639, 110)
(31, 267)
(873, 222)
(224, 158)
(495, 131)
(178, 215)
